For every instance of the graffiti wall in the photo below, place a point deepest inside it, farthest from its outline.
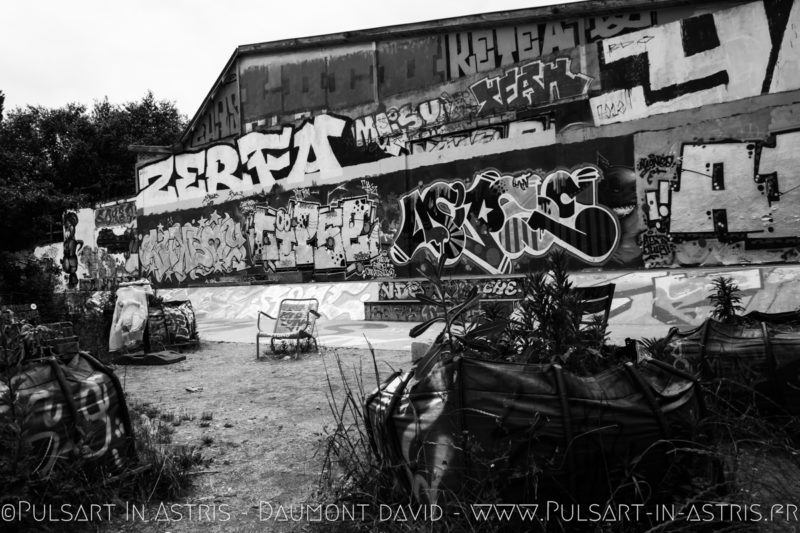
(662, 138)
(327, 231)
(216, 306)
(646, 302)
(720, 202)
(100, 247)
(500, 219)
(720, 56)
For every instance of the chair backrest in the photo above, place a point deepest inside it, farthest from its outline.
(294, 315)
(595, 301)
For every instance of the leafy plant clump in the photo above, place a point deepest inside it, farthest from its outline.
(548, 326)
(26, 279)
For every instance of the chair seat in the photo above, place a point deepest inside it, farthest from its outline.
(294, 326)
(285, 335)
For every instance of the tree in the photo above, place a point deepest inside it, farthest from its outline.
(67, 157)
(36, 160)
(148, 122)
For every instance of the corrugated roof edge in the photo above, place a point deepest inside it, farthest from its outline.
(542, 13)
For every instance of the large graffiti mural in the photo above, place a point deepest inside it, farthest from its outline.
(720, 202)
(253, 238)
(522, 214)
(193, 250)
(254, 165)
(705, 59)
(664, 138)
(323, 237)
(494, 221)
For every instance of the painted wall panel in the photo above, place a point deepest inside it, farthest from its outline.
(100, 247)
(724, 55)
(646, 303)
(707, 201)
(502, 218)
(281, 88)
(350, 80)
(664, 138)
(221, 120)
(408, 64)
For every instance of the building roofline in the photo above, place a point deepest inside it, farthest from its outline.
(466, 22)
(154, 149)
(539, 14)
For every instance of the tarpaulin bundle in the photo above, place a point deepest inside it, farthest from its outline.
(73, 409)
(761, 350)
(170, 324)
(454, 420)
(130, 316)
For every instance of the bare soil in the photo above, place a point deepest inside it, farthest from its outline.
(264, 440)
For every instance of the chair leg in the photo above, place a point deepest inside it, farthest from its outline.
(257, 350)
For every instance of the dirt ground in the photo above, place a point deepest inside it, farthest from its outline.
(263, 443)
(262, 447)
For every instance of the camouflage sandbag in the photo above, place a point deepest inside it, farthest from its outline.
(760, 351)
(543, 432)
(72, 410)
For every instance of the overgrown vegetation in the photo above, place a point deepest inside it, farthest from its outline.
(547, 327)
(352, 473)
(741, 457)
(25, 279)
(57, 159)
(755, 440)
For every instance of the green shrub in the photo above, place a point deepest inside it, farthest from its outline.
(27, 279)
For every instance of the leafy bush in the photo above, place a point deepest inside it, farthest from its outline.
(26, 279)
(545, 328)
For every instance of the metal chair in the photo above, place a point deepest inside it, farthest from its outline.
(293, 327)
(596, 306)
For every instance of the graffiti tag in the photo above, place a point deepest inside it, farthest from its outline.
(516, 214)
(532, 84)
(207, 246)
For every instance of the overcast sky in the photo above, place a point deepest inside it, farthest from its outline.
(54, 51)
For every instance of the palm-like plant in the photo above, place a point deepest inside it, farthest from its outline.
(726, 299)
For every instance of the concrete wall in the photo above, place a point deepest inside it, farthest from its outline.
(646, 303)
(661, 139)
